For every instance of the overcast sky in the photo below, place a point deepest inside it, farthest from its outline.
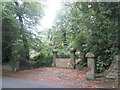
(50, 13)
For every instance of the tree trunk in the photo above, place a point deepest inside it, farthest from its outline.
(24, 38)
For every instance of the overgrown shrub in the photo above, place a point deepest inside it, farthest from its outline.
(44, 58)
(63, 53)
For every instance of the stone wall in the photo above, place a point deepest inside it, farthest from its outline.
(113, 71)
(7, 67)
(10, 67)
(63, 62)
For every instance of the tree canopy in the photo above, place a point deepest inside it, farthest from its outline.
(89, 27)
(86, 26)
(17, 20)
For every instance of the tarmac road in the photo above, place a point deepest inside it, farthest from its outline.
(10, 82)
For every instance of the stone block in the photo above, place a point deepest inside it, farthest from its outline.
(90, 55)
(90, 75)
(91, 66)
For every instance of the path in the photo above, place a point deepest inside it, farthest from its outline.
(9, 82)
(67, 77)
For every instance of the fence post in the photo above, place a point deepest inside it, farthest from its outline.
(72, 58)
(91, 66)
(54, 57)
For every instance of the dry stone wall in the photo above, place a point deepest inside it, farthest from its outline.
(64, 62)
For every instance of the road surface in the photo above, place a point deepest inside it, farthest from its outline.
(10, 82)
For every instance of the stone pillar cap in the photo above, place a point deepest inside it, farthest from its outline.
(55, 50)
(89, 54)
(72, 50)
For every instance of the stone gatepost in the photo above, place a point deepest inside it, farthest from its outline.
(72, 58)
(17, 66)
(91, 66)
(54, 57)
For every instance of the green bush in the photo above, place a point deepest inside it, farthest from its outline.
(63, 54)
(42, 59)
(101, 64)
(81, 65)
(81, 42)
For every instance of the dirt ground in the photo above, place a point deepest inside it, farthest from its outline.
(69, 77)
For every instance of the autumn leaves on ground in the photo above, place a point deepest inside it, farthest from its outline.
(69, 77)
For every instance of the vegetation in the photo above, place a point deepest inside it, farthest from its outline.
(18, 20)
(86, 26)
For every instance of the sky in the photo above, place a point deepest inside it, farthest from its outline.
(50, 12)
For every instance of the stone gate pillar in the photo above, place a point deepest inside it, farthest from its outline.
(91, 66)
(17, 66)
(72, 58)
(54, 57)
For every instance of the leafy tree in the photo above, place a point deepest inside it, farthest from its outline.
(17, 20)
(91, 27)
(86, 26)
(104, 30)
